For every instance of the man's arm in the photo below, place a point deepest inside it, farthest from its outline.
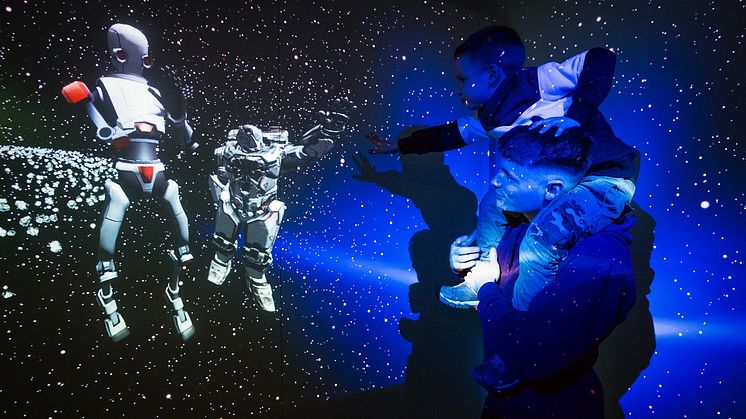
(592, 293)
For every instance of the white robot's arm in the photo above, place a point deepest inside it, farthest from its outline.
(183, 133)
(171, 96)
(77, 92)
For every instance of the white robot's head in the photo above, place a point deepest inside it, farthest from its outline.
(128, 48)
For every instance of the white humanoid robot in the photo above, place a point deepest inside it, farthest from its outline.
(131, 115)
(245, 192)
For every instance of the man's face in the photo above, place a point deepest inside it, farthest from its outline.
(519, 188)
(475, 82)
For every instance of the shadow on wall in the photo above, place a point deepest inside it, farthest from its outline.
(627, 351)
(446, 342)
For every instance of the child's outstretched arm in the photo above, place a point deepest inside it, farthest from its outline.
(380, 145)
(439, 138)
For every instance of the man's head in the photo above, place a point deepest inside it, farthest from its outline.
(536, 168)
(484, 60)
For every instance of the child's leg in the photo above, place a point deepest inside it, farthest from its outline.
(490, 224)
(583, 210)
(490, 229)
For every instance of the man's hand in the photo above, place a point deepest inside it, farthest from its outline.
(381, 146)
(463, 254)
(484, 271)
(562, 123)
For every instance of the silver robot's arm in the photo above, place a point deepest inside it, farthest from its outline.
(219, 181)
(217, 188)
(319, 140)
(295, 156)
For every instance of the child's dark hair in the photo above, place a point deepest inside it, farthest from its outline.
(495, 44)
(570, 151)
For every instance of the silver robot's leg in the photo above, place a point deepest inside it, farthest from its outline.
(259, 237)
(116, 206)
(182, 258)
(224, 240)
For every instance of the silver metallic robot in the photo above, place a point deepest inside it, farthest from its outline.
(245, 191)
(131, 115)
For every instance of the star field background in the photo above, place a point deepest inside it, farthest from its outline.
(359, 258)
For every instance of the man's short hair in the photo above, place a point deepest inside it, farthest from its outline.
(495, 44)
(570, 151)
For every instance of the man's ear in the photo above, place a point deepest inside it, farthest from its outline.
(554, 188)
(497, 74)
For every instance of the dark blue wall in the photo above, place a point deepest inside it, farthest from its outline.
(357, 262)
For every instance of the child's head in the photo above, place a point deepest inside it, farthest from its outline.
(536, 168)
(484, 60)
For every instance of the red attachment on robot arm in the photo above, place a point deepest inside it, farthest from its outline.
(76, 92)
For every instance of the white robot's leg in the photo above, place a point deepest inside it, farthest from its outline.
(259, 237)
(182, 321)
(224, 240)
(181, 258)
(116, 205)
(182, 254)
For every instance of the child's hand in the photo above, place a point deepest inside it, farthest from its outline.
(463, 254)
(562, 123)
(381, 146)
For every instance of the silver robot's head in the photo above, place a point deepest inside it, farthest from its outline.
(128, 48)
(276, 135)
(248, 137)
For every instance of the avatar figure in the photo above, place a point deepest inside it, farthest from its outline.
(131, 115)
(245, 191)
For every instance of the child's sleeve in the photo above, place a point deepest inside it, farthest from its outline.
(439, 138)
(586, 78)
(450, 136)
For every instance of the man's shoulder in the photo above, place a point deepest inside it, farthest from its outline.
(603, 254)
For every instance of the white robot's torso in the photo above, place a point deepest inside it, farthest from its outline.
(138, 126)
(133, 102)
(129, 115)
